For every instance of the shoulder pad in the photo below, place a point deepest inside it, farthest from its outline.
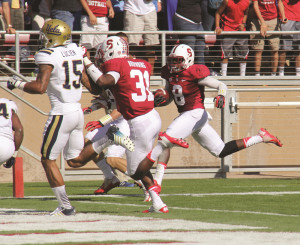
(46, 51)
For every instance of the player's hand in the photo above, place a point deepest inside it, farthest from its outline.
(87, 110)
(10, 162)
(159, 100)
(92, 125)
(219, 101)
(14, 82)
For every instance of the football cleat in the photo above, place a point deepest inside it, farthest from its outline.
(175, 141)
(61, 211)
(107, 185)
(164, 209)
(117, 137)
(269, 138)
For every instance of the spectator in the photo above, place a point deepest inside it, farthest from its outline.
(41, 11)
(94, 18)
(288, 42)
(116, 23)
(188, 18)
(266, 20)
(170, 7)
(11, 132)
(232, 16)
(208, 15)
(7, 17)
(141, 15)
(68, 11)
(17, 14)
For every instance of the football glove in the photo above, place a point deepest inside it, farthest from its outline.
(15, 82)
(92, 125)
(10, 162)
(84, 49)
(87, 110)
(159, 100)
(219, 101)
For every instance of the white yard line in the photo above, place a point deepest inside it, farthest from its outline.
(99, 228)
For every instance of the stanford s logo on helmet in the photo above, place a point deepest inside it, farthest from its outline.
(55, 33)
(112, 47)
(181, 57)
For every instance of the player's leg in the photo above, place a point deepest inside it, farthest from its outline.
(179, 129)
(210, 140)
(143, 131)
(56, 135)
(110, 179)
(161, 166)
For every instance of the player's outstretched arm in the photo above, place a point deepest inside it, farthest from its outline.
(39, 86)
(222, 88)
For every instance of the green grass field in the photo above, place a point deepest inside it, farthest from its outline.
(270, 203)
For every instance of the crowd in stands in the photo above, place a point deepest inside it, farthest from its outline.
(219, 16)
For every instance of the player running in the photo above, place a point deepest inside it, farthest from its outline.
(185, 82)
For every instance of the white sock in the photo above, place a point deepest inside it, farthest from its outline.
(224, 68)
(243, 69)
(101, 144)
(61, 196)
(273, 74)
(159, 173)
(156, 200)
(106, 169)
(157, 150)
(281, 70)
(252, 140)
(257, 73)
(297, 71)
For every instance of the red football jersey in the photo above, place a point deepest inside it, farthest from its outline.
(187, 94)
(132, 90)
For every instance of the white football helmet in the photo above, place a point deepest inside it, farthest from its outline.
(55, 33)
(180, 58)
(112, 47)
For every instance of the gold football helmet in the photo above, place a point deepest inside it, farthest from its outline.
(55, 33)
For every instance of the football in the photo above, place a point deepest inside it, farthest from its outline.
(161, 97)
(162, 92)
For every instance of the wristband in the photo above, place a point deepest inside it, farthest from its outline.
(218, 28)
(87, 61)
(106, 119)
(94, 73)
(15, 154)
(20, 84)
(9, 26)
(222, 92)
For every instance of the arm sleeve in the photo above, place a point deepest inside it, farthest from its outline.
(214, 83)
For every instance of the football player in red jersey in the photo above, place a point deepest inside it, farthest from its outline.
(186, 81)
(130, 84)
